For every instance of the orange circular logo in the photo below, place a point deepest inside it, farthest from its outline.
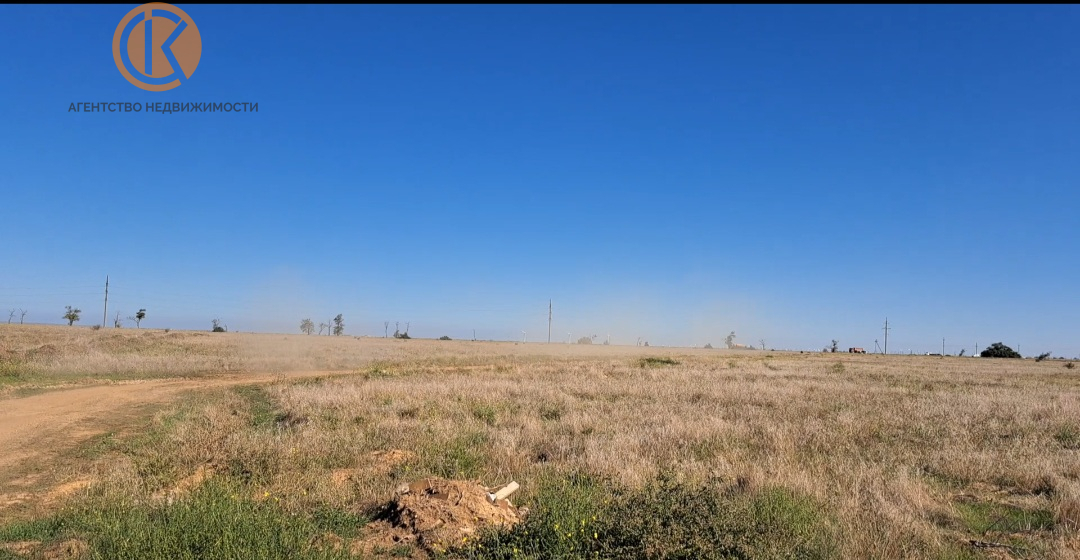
(157, 46)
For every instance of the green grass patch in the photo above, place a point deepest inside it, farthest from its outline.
(461, 457)
(1068, 436)
(216, 521)
(983, 517)
(587, 517)
(561, 524)
(484, 413)
(261, 409)
(35, 530)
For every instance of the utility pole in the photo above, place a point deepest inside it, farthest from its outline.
(549, 321)
(886, 335)
(943, 347)
(105, 314)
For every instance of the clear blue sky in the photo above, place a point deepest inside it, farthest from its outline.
(794, 174)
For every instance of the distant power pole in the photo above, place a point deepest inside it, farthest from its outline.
(105, 314)
(886, 335)
(943, 346)
(549, 321)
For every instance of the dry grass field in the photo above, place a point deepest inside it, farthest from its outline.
(258, 445)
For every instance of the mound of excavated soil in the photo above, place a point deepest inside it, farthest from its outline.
(441, 514)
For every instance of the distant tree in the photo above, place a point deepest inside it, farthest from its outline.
(961, 354)
(729, 340)
(22, 315)
(1042, 356)
(646, 343)
(835, 344)
(584, 340)
(444, 337)
(762, 341)
(11, 316)
(116, 322)
(339, 325)
(709, 346)
(999, 350)
(139, 316)
(72, 315)
(307, 326)
(217, 326)
(385, 328)
(321, 327)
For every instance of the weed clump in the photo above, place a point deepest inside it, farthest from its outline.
(657, 361)
(585, 516)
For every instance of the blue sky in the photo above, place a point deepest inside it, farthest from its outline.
(794, 174)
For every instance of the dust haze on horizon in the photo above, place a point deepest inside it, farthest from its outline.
(626, 316)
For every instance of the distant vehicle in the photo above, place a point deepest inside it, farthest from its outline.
(856, 351)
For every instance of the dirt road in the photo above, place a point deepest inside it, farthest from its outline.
(37, 428)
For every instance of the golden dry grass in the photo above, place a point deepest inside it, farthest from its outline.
(58, 354)
(902, 451)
